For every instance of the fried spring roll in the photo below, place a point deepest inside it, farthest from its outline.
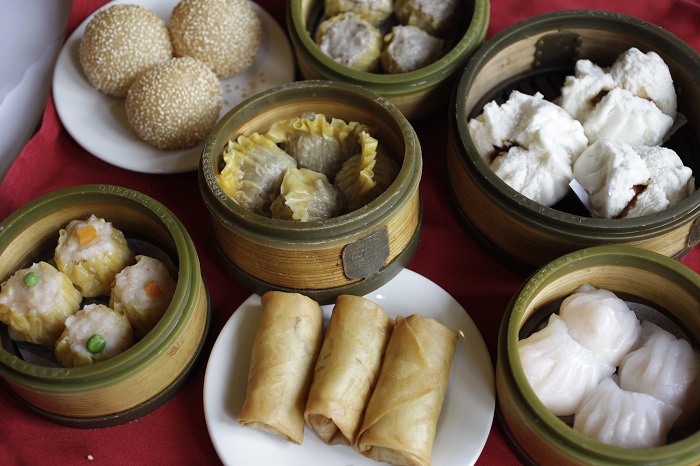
(401, 418)
(347, 368)
(284, 354)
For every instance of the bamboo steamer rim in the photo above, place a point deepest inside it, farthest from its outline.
(390, 84)
(553, 430)
(159, 339)
(274, 231)
(579, 228)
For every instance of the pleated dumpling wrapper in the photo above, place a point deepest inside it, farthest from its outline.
(347, 368)
(400, 422)
(254, 170)
(35, 302)
(282, 362)
(91, 252)
(306, 196)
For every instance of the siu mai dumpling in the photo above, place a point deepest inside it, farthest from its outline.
(306, 196)
(408, 48)
(351, 40)
(316, 143)
(91, 252)
(374, 11)
(255, 167)
(433, 16)
(366, 175)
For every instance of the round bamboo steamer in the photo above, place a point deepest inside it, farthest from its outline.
(148, 374)
(419, 93)
(535, 55)
(636, 275)
(353, 253)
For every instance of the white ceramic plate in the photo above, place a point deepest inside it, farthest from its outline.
(99, 124)
(467, 412)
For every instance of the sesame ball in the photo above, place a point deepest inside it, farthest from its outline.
(224, 34)
(175, 104)
(119, 43)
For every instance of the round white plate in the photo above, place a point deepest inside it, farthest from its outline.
(99, 124)
(467, 412)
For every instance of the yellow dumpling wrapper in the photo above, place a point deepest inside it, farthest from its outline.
(305, 196)
(351, 40)
(374, 11)
(255, 167)
(37, 313)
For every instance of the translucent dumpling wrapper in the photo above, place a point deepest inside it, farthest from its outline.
(374, 11)
(530, 143)
(73, 346)
(306, 196)
(35, 302)
(409, 48)
(665, 367)
(316, 143)
(351, 40)
(560, 370)
(366, 175)
(255, 167)
(623, 418)
(433, 16)
(601, 322)
(91, 252)
(143, 292)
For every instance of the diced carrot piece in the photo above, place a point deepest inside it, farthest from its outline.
(152, 289)
(86, 234)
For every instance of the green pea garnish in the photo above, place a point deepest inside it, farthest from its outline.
(96, 343)
(31, 279)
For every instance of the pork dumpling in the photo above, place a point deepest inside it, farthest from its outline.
(254, 170)
(366, 175)
(408, 48)
(351, 40)
(93, 334)
(601, 322)
(623, 418)
(305, 196)
(374, 11)
(666, 368)
(143, 292)
(91, 252)
(560, 370)
(35, 302)
(316, 143)
(433, 16)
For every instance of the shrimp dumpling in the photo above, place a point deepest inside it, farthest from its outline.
(93, 334)
(35, 302)
(91, 252)
(623, 418)
(601, 322)
(143, 292)
(254, 170)
(305, 196)
(665, 367)
(560, 371)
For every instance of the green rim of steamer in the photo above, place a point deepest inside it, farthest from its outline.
(168, 330)
(549, 427)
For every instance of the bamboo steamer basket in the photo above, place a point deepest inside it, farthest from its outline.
(418, 94)
(353, 253)
(535, 55)
(669, 289)
(148, 374)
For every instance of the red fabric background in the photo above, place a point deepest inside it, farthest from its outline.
(176, 434)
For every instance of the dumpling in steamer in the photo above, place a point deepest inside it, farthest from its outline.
(91, 252)
(316, 143)
(374, 11)
(408, 48)
(79, 344)
(351, 40)
(35, 302)
(143, 292)
(306, 196)
(433, 16)
(254, 171)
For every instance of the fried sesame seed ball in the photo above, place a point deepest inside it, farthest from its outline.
(175, 104)
(119, 43)
(224, 34)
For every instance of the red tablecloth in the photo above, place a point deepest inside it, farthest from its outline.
(176, 433)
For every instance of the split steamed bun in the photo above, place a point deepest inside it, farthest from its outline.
(176, 104)
(120, 42)
(224, 34)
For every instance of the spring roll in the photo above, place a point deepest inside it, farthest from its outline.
(347, 368)
(401, 418)
(283, 357)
